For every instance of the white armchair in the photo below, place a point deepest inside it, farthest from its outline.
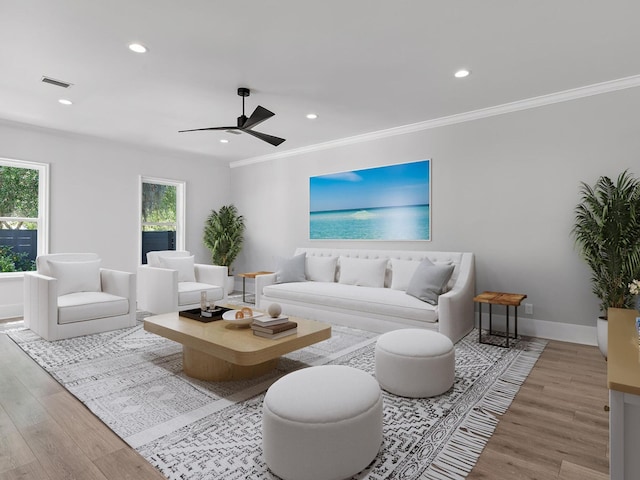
(70, 295)
(172, 282)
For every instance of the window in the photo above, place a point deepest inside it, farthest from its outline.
(161, 215)
(23, 214)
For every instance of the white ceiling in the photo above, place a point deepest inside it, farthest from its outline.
(361, 65)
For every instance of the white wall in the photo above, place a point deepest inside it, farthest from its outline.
(94, 195)
(503, 187)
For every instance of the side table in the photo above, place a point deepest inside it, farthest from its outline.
(244, 277)
(499, 298)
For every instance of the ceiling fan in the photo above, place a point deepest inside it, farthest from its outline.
(259, 115)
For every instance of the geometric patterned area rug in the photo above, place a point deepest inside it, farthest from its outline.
(189, 429)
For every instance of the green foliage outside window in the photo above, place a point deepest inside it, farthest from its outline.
(11, 261)
(18, 196)
(158, 206)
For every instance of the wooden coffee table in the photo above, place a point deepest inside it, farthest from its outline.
(217, 351)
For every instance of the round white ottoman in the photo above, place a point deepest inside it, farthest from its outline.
(322, 423)
(414, 362)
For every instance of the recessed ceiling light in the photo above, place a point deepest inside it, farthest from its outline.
(224, 140)
(312, 116)
(462, 73)
(136, 47)
(64, 101)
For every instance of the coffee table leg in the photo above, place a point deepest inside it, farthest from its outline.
(197, 364)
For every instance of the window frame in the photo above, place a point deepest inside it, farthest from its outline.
(42, 221)
(181, 195)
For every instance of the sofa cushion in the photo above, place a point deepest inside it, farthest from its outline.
(401, 273)
(321, 269)
(184, 266)
(365, 272)
(81, 306)
(189, 292)
(291, 269)
(429, 281)
(379, 301)
(76, 276)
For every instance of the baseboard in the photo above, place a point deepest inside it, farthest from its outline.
(531, 327)
(11, 311)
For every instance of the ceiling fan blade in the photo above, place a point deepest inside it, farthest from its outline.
(275, 141)
(259, 115)
(210, 128)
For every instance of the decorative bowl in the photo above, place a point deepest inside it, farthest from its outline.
(230, 318)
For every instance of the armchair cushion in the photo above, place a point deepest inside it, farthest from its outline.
(76, 276)
(81, 306)
(189, 292)
(184, 266)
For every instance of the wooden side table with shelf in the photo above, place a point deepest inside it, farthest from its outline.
(499, 298)
(244, 277)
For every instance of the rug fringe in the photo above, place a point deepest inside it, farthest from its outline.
(461, 453)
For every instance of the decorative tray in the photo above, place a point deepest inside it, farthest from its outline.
(195, 314)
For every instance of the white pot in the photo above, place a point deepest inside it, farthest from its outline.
(602, 327)
(230, 284)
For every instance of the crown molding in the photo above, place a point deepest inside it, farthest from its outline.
(534, 102)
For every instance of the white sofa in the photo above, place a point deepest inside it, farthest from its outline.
(376, 308)
(172, 282)
(70, 295)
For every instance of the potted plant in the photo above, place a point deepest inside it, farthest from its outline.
(223, 235)
(607, 234)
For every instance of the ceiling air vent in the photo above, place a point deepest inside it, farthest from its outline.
(58, 83)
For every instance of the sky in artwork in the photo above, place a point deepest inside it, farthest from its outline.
(390, 186)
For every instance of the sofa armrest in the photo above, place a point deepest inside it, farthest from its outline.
(261, 282)
(41, 304)
(157, 289)
(456, 315)
(119, 283)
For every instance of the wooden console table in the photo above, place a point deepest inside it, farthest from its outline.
(499, 298)
(623, 380)
(244, 277)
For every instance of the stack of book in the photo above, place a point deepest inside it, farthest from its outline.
(270, 327)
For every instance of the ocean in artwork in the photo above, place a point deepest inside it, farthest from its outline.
(382, 223)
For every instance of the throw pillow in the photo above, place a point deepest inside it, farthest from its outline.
(76, 276)
(290, 269)
(401, 273)
(184, 265)
(321, 269)
(429, 281)
(364, 272)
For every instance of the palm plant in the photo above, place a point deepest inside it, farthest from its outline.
(607, 233)
(223, 235)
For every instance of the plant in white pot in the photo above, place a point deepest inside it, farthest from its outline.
(607, 234)
(224, 236)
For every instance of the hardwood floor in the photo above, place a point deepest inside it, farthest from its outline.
(556, 428)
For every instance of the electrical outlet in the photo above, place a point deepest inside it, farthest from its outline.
(528, 308)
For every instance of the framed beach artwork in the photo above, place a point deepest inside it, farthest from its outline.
(383, 203)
